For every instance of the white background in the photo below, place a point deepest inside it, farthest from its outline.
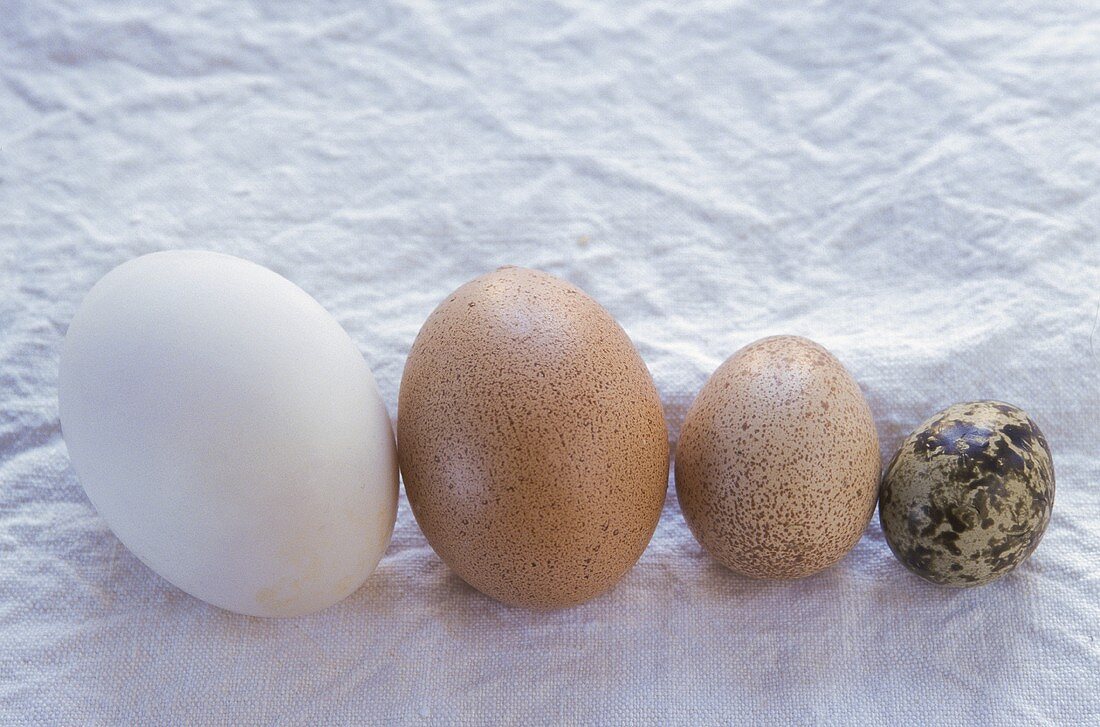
(914, 185)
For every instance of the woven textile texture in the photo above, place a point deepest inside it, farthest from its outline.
(913, 185)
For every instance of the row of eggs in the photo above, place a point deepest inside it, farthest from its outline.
(231, 434)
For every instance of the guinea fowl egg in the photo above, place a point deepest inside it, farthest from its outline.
(777, 465)
(229, 432)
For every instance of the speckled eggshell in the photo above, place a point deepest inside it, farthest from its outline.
(531, 440)
(969, 494)
(777, 465)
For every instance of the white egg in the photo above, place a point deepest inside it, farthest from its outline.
(229, 432)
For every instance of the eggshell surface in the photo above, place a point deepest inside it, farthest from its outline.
(969, 494)
(229, 432)
(532, 440)
(777, 464)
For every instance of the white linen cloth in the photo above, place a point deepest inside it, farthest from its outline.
(913, 185)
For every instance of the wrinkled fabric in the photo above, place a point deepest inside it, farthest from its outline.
(913, 185)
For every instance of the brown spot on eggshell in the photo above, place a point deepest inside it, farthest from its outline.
(531, 440)
(777, 464)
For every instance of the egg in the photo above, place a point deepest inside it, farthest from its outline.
(968, 494)
(531, 439)
(229, 432)
(777, 463)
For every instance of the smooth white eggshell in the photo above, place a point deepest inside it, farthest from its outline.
(230, 432)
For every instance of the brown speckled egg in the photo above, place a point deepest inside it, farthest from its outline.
(777, 465)
(969, 493)
(531, 440)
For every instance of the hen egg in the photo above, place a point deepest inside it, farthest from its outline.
(229, 432)
(777, 465)
(532, 440)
